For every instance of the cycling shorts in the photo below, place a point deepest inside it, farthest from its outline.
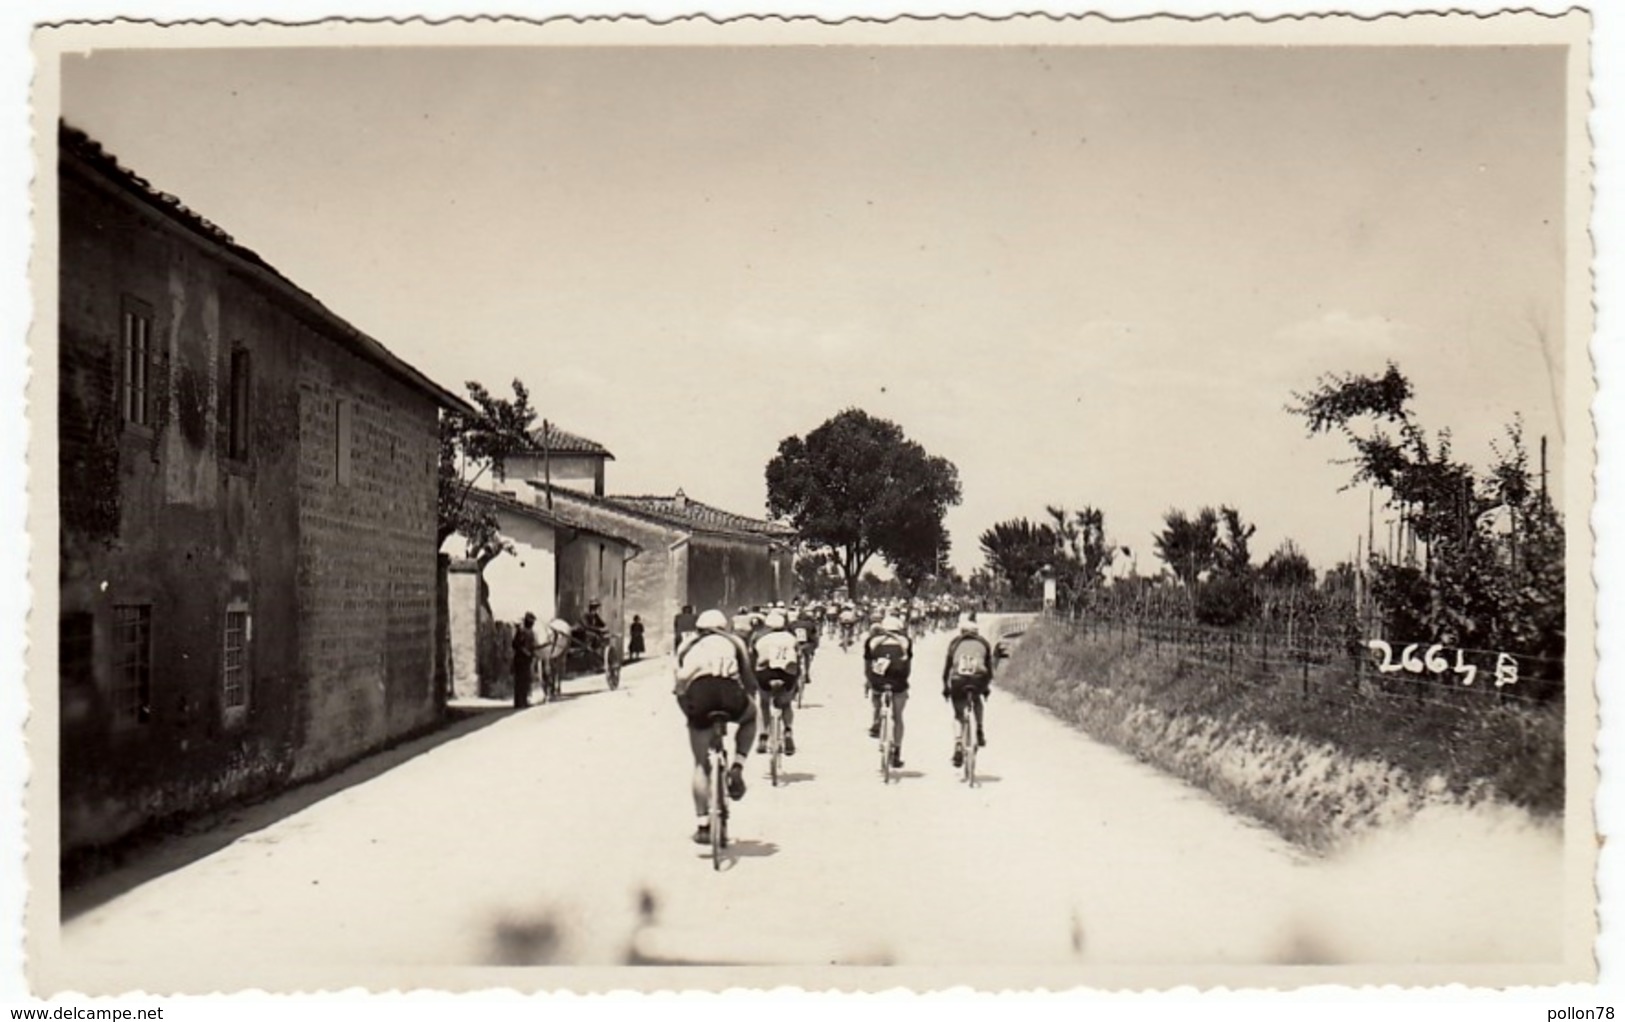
(958, 687)
(705, 696)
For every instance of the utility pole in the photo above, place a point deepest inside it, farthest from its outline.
(547, 462)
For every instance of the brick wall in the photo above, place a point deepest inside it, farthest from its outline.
(368, 448)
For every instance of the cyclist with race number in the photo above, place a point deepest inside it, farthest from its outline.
(715, 675)
(888, 658)
(967, 678)
(778, 674)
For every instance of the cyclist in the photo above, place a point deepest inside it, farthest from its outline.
(967, 677)
(848, 622)
(804, 623)
(741, 622)
(778, 674)
(714, 674)
(888, 657)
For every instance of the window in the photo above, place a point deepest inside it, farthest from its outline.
(76, 651)
(135, 363)
(237, 390)
(234, 676)
(343, 427)
(132, 663)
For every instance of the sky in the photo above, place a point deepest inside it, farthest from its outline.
(1084, 275)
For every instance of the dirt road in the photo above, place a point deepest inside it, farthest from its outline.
(562, 834)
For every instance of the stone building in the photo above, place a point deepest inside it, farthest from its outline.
(693, 553)
(557, 563)
(248, 569)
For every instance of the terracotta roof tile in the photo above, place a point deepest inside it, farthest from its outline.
(683, 508)
(563, 441)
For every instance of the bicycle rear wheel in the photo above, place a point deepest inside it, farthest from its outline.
(967, 738)
(886, 737)
(775, 763)
(612, 665)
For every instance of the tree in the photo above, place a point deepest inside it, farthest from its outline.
(1015, 550)
(1188, 546)
(1287, 568)
(816, 574)
(1082, 552)
(1231, 556)
(859, 487)
(1494, 544)
(471, 446)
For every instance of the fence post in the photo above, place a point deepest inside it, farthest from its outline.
(1305, 654)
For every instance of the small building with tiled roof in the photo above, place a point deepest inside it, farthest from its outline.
(567, 458)
(558, 561)
(694, 554)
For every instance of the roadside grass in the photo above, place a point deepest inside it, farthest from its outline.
(1317, 770)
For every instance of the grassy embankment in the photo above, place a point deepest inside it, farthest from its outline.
(1316, 770)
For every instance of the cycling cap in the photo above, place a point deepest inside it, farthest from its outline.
(890, 623)
(560, 625)
(712, 619)
(969, 625)
(775, 620)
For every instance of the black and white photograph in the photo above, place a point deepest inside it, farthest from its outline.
(572, 505)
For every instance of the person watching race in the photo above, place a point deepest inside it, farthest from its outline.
(967, 678)
(714, 674)
(778, 674)
(888, 657)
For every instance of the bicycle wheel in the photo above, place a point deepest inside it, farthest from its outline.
(612, 665)
(967, 737)
(886, 726)
(775, 763)
(717, 805)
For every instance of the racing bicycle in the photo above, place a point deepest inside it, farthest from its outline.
(717, 800)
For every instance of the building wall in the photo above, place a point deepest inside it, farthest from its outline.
(463, 599)
(649, 583)
(154, 519)
(729, 573)
(366, 556)
(593, 567)
(527, 579)
(576, 471)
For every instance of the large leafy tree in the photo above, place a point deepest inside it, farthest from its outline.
(1188, 546)
(860, 488)
(1494, 545)
(471, 446)
(1015, 551)
(1082, 552)
(1287, 568)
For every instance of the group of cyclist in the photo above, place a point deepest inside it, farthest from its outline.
(757, 662)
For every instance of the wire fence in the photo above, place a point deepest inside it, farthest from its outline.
(1326, 665)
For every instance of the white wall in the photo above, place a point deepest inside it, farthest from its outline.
(524, 580)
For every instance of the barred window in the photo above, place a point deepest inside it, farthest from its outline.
(132, 663)
(135, 363)
(235, 675)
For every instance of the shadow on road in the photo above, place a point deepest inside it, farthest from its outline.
(100, 876)
(751, 849)
(796, 778)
